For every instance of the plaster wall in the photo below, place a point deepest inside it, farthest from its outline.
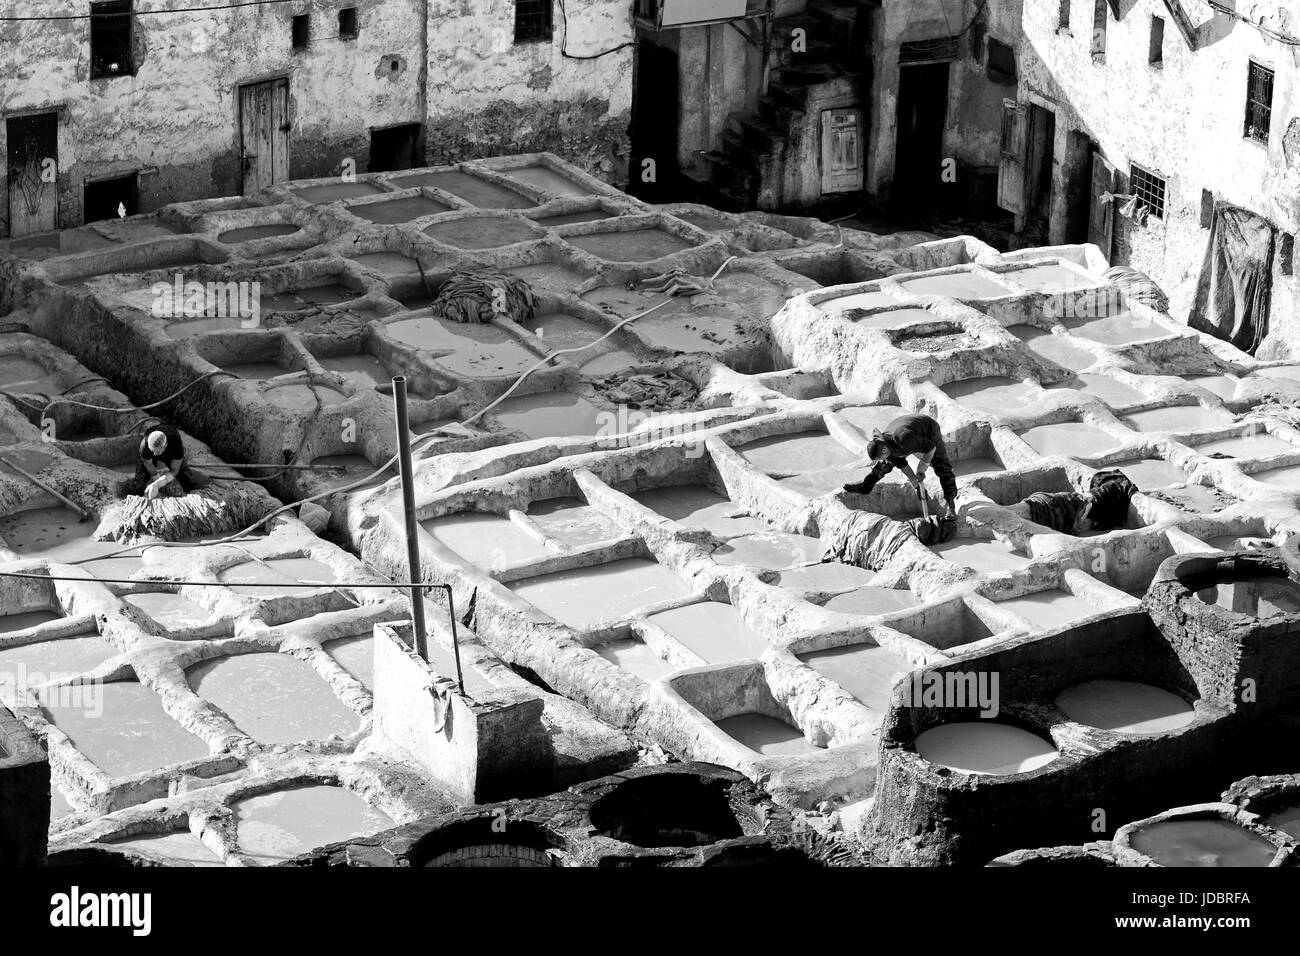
(1183, 120)
(973, 123)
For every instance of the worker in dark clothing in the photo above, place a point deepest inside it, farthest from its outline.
(161, 460)
(906, 435)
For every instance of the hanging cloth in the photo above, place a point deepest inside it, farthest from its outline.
(1236, 283)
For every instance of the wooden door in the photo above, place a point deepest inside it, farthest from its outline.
(264, 134)
(1011, 167)
(1101, 221)
(32, 161)
(841, 151)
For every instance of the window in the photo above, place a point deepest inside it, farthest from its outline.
(1063, 15)
(1156, 52)
(110, 39)
(1100, 13)
(1002, 62)
(110, 198)
(1149, 189)
(348, 23)
(301, 32)
(532, 21)
(1259, 102)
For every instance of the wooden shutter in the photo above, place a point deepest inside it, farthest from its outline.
(1101, 218)
(1011, 169)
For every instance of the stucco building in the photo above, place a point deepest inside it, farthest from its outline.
(139, 103)
(1193, 108)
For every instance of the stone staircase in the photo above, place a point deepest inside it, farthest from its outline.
(747, 168)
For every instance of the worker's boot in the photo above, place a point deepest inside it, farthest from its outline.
(859, 487)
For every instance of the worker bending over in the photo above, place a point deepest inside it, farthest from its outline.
(906, 435)
(161, 460)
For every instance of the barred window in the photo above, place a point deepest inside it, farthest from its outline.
(1259, 102)
(1149, 189)
(110, 39)
(533, 21)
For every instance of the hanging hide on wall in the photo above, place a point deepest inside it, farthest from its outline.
(1236, 283)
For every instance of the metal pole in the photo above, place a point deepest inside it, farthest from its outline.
(455, 638)
(408, 506)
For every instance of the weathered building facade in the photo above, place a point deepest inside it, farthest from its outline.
(140, 103)
(939, 78)
(784, 104)
(1191, 107)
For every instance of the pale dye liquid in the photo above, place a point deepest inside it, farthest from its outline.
(1202, 843)
(985, 747)
(1126, 707)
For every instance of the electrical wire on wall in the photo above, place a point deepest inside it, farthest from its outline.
(1269, 32)
(564, 43)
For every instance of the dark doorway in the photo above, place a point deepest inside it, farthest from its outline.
(394, 148)
(1038, 172)
(922, 113)
(32, 161)
(110, 198)
(1076, 169)
(654, 124)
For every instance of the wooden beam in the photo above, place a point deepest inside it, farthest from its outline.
(1183, 22)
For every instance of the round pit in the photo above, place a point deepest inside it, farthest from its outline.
(1212, 843)
(1125, 707)
(985, 747)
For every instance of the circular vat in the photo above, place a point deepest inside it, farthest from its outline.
(985, 747)
(667, 810)
(1126, 707)
(476, 843)
(1201, 841)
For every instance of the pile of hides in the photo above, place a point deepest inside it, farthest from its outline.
(1138, 287)
(651, 392)
(1276, 413)
(220, 508)
(867, 540)
(675, 282)
(1235, 287)
(477, 297)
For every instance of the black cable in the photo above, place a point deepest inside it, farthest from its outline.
(564, 44)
